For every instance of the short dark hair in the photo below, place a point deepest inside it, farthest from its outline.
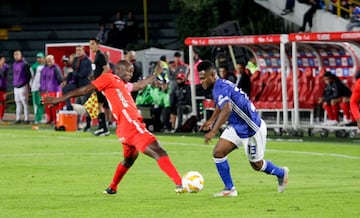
(205, 65)
(163, 58)
(97, 41)
(177, 54)
(225, 67)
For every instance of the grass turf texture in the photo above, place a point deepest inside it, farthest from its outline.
(61, 174)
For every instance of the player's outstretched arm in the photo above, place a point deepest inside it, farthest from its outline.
(74, 93)
(143, 83)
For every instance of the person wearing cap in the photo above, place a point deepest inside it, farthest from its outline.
(180, 102)
(336, 95)
(35, 71)
(355, 99)
(177, 66)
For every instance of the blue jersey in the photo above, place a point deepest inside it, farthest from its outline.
(243, 118)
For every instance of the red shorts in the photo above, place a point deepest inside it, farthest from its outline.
(134, 137)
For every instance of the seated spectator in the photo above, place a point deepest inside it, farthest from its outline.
(180, 102)
(355, 17)
(336, 95)
(225, 74)
(289, 7)
(252, 65)
(243, 79)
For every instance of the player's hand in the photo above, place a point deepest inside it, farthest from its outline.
(205, 127)
(50, 100)
(209, 136)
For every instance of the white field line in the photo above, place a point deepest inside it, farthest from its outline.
(102, 139)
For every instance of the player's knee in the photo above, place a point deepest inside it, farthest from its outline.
(256, 165)
(218, 154)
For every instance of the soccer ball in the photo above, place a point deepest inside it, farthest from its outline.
(193, 181)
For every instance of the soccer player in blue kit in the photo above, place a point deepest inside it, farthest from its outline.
(245, 127)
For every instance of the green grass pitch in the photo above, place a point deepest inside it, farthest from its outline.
(44, 173)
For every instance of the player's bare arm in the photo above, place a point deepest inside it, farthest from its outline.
(74, 93)
(221, 119)
(208, 124)
(143, 83)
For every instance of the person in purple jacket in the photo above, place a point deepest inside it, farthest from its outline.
(4, 70)
(21, 78)
(50, 81)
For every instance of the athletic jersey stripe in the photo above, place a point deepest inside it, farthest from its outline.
(246, 118)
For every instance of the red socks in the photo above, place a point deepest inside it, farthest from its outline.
(170, 170)
(119, 174)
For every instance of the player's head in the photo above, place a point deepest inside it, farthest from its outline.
(94, 44)
(207, 74)
(124, 69)
(328, 77)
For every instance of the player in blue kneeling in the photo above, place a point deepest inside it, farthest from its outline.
(245, 127)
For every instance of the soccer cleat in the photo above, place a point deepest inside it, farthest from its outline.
(227, 193)
(109, 191)
(180, 189)
(101, 132)
(283, 181)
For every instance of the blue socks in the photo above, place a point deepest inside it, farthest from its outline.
(223, 169)
(270, 168)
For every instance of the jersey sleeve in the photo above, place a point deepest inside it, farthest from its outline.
(223, 94)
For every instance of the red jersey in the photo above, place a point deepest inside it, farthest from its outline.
(119, 98)
(130, 130)
(354, 100)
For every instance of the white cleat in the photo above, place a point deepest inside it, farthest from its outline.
(283, 181)
(226, 193)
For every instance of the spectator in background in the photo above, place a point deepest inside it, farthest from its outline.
(50, 81)
(355, 17)
(355, 99)
(197, 61)
(336, 95)
(120, 26)
(165, 115)
(180, 102)
(164, 64)
(113, 36)
(4, 70)
(225, 74)
(308, 16)
(130, 28)
(252, 65)
(138, 70)
(102, 35)
(67, 62)
(158, 104)
(176, 67)
(21, 78)
(289, 7)
(35, 86)
(243, 79)
(69, 82)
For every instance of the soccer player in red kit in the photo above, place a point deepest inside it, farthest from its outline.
(130, 130)
(355, 100)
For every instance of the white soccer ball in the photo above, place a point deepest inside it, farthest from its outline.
(193, 181)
